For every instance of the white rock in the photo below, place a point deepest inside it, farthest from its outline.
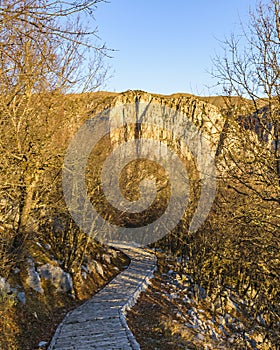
(21, 297)
(42, 344)
(4, 285)
(60, 279)
(33, 279)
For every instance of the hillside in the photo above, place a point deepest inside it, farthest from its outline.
(222, 226)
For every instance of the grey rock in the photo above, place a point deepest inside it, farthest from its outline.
(33, 279)
(42, 344)
(60, 279)
(21, 297)
(4, 285)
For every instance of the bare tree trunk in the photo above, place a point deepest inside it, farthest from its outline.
(25, 208)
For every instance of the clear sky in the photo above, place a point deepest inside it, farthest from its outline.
(165, 46)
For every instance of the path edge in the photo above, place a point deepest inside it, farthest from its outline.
(132, 301)
(127, 306)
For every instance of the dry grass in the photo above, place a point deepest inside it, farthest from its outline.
(162, 319)
(22, 327)
(9, 329)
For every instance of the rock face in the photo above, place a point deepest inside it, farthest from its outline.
(152, 151)
(172, 113)
(181, 135)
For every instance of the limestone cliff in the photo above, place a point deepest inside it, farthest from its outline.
(178, 133)
(204, 115)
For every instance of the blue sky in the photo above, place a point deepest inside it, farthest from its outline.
(165, 46)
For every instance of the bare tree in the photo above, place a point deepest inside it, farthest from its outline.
(45, 52)
(245, 221)
(250, 70)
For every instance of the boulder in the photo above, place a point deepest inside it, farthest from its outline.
(33, 279)
(60, 279)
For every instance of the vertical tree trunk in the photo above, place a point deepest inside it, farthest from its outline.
(25, 207)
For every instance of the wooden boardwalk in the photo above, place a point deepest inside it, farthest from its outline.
(100, 322)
